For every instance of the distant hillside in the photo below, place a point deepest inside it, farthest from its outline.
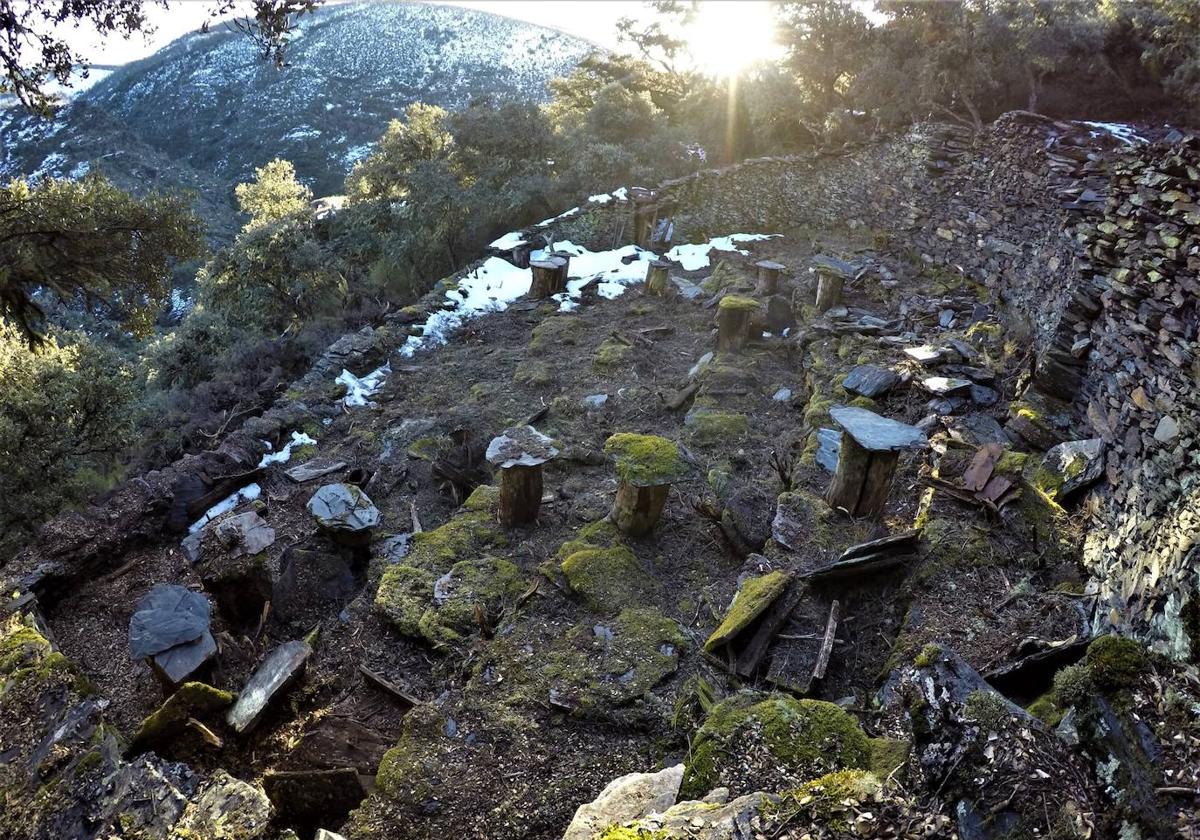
(205, 110)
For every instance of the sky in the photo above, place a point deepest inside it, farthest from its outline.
(594, 20)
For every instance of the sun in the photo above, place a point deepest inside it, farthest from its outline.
(727, 36)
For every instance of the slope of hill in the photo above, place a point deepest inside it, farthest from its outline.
(206, 110)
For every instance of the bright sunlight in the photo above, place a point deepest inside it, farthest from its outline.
(727, 36)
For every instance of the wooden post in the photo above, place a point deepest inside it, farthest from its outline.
(734, 315)
(549, 277)
(520, 494)
(658, 282)
(768, 277)
(636, 510)
(829, 290)
(867, 460)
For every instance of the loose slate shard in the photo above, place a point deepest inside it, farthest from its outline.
(343, 507)
(944, 386)
(870, 380)
(278, 671)
(875, 433)
(835, 266)
(520, 446)
(165, 617)
(313, 469)
(829, 444)
(1078, 462)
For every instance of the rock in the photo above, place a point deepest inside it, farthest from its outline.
(313, 469)
(829, 444)
(192, 700)
(624, 799)
(345, 511)
(323, 834)
(925, 355)
(1076, 463)
(246, 533)
(705, 819)
(870, 380)
(984, 396)
(875, 433)
(782, 395)
(272, 678)
(594, 402)
(978, 429)
(227, 809)
(1166, 430)
(942, 386)
(170, 626)
(749, 511)
(945, 318)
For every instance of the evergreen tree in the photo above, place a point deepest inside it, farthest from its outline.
(273, 194)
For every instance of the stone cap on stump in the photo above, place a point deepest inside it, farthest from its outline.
(647, 460)
(875, 433)
(832, 265)
(520, 446)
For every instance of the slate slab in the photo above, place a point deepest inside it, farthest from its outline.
(244, 534)
(946, 386)
(1078, 462)
(273, 677)
(343, 507)
(925, 355)
(870, 380)
(167, 616)
(829, 445)
(178, 664)
(875, 433)
(313, 469)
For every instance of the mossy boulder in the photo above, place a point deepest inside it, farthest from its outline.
(752, 739)
(533, 372)
(555, 332)
(192, 700)
(712, 427)
(646, 460)
(607, 578)
(825, 801)
(752, 599)
(739, 303)
(612, 353)
(1115, 663)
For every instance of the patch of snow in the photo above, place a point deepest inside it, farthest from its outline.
(509, 240)
(693, 257)
(360, 390)
(1124, 132)
(553, 219)
(489, 288)
(248, 494)
(614, 270)
(284, 455)
(82, 168)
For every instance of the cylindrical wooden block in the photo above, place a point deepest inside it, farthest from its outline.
(768, 276)
(520, 495)
(829, 290)
(863, 479)
(733, 328)
(658, 281)
(637, 509)
(549, 277)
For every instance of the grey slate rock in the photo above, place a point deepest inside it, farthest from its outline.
(343, 507)
(313, 469)
(273, 677)
(176, 665)
(829, 445)
(870, 380)
(246, 533)
(167, 616)
(1078, 462)
(978, 429)
(984, 396)
(945, 386)
(875, 433)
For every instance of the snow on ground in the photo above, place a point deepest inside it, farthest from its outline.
(509, 240)
(694, 257)
(1124, 132)
(284, 455)
(248, 493)
(613, 270)
(360, 390)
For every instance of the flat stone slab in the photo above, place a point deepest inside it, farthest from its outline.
(343, 507)
(245, 534)
(977, 430)
(870, 380)
(165, 617)
(875, 433)
(833, 265)
(946, 386)
(925, 355)
(829, 444)
(313, 469)
(273, 677)
(1079, 462)
(178, 664)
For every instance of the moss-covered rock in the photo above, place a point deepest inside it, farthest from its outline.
(711, 427)
(751, 739)
(739, 303)
(533, 372)
(824, 801)
(607, 578)
(1115, 663)
(192, 700)
(752, 599)
(646, 460)
(888, 756)
(612, 353)
(556, 331)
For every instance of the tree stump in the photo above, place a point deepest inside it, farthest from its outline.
(867, 461)
(519, 453)
(636, 510)
(734, 315)
(658, 281)
(768, 276)
(647, 466)
(549, 277)
(829, 290)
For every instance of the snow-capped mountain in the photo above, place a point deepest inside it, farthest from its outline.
(205, 110)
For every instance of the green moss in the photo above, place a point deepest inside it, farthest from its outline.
(1046, 709)
(828, 532)
(403, 595)
(722, 276)
(888, 756)
(193, 699)
(824, 800)
(754, 596)
(473, 586)
(646, 459)
(1072, 686)
(931, 654)
(21, 647)
(806, 738)
(1115, 663)
(988, 709)
(710, 428)
(602, 533)
(485, 497)
(816, 411)
(533, 372)
(607, 578)
(738, 303)
(617, 832)
(1011, 463)
(864, 402)
(612, 353)
(555, 332)
(428, 448)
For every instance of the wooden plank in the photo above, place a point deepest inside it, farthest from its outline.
(383, 683)
(768, 627)
(897, 543)
(982, 465)
(827, 643)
